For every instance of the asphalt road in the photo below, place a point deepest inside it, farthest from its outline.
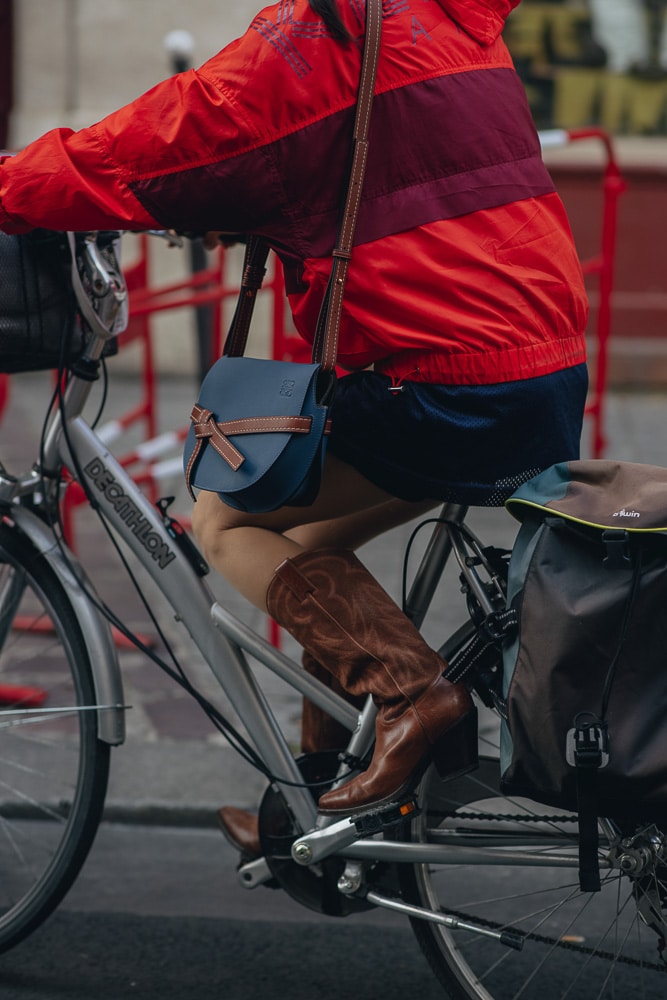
(158, 913)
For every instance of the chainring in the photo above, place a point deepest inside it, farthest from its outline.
(316, 886)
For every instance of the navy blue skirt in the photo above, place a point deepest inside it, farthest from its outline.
(471, 445)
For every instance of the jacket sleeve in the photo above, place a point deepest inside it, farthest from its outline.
(93, 178)
(61, 181)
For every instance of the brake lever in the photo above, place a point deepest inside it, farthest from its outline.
(172, 238)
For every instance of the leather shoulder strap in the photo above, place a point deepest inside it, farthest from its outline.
(254, 269)
(325, 346)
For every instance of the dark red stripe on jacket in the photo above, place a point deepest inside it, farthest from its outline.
(464, 147)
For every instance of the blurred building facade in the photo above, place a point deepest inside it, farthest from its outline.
(72, 61)
(76, 60)
(593, 62)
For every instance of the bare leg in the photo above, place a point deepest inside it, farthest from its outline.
(247, 548)
(354, 530)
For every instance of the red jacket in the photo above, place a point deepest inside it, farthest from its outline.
(464, 269)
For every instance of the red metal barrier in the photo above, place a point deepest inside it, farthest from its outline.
(204, 287)
(600, 265)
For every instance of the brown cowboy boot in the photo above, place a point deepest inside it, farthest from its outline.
(341, 615)
(241, 830)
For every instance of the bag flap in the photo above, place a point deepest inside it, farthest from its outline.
(255, 387)
(598, 493)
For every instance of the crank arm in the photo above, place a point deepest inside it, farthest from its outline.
(254, 873)
(318, 844)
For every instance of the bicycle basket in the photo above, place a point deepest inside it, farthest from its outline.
(37, 304)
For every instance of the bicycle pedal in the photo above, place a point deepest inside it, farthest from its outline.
(376, 820)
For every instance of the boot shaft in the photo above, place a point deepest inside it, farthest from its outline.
(330, 603)
(344, 619)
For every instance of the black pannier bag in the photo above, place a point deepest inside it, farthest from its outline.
(585, 668)
(37, 304)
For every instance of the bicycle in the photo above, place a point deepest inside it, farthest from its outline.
(489, 884)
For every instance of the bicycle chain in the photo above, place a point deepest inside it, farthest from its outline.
(515, 818)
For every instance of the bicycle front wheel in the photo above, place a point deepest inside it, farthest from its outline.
(577, 945)
(53, 768)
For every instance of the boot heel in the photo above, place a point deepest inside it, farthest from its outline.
(456, 751)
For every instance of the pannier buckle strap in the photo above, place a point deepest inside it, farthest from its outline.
(587, 749)
(587, 743)
(499, 625)
(615, 541)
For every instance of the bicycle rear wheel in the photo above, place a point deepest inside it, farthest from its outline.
(53, 768)
(593, 946)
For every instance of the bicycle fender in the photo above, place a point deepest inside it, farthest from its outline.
(94, 627)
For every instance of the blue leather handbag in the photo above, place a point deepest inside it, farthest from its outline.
(259, 427)
(270, 453)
